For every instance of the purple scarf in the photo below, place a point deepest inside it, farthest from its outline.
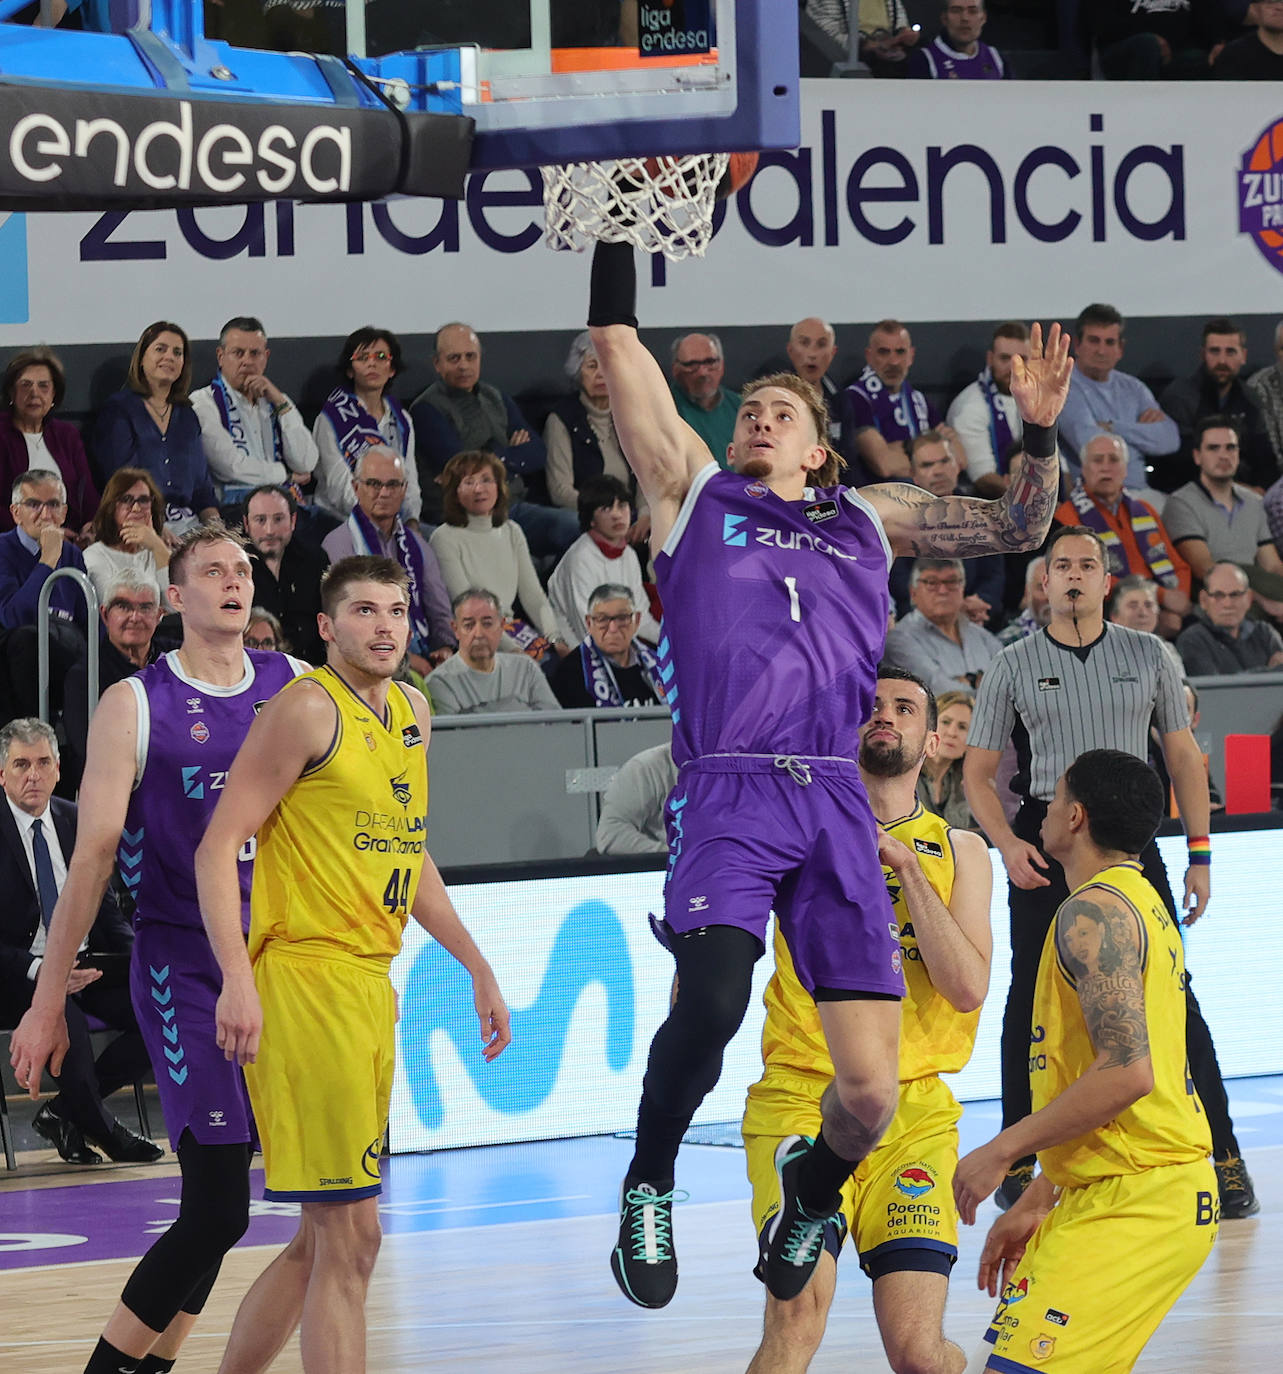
(1000, 434)
(599, 673)
(356, 429)
(366, 539)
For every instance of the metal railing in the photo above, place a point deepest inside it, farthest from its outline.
(42, 637)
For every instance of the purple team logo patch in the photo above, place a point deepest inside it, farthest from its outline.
(897, 964)
(200, 732)
(1260, 194)
(758, 489)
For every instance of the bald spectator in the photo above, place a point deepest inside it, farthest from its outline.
(937, 640)
(1217, 389)
(459, 412)
(881, 412)
(1133, 532)
(812, 346)
(287, 571)
(1103, 400)
(375, 527)
(1223, 639)
(986, 418)
(611, 667)
(1266, 389)
(934, 466)
(632, 809)
(1035, 608)
(698, 368)
(956, 53)
(479, 679)
(1215, 519)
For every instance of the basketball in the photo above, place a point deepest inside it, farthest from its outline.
(738, 172)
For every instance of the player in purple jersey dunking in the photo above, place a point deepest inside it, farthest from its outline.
(160, 748)
(773, 580)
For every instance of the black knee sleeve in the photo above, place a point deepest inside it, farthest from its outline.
(213, 1215)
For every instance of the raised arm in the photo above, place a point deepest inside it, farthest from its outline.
(41, 1036)
(918, 523)
(661, 448)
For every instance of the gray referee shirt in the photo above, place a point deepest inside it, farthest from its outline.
(1069, 700)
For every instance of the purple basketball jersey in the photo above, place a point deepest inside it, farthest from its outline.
(775, 613)
(188, 735)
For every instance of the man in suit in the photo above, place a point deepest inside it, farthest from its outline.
(37, 835)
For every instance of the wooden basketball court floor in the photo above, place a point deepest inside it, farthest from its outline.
(496, 1260)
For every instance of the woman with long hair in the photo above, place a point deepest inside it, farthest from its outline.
(478, 546)
(150, 424)
(940, 782)
(129, 532)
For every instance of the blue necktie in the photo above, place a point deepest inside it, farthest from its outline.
(45, 883)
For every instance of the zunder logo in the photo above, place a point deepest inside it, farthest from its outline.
(1260, 194)
(14, 306)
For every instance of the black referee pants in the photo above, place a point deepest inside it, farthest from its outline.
(1031, 915)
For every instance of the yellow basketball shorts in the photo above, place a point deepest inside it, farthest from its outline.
(322, 1081)
(1103, 1270)
(898, 1206)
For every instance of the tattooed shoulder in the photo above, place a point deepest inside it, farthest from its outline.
(1099, 942)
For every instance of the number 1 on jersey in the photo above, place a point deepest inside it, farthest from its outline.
(795, 606)
(396, 896)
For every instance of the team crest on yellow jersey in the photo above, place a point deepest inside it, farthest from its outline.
(400, 789)
(1042, 1347)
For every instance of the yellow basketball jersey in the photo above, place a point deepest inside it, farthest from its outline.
(339, 858)
(934, 1036)
(1168, 1125)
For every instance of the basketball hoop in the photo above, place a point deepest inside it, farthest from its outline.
(658, 204)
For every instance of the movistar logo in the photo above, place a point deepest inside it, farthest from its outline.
(731, 532)
(590, 948)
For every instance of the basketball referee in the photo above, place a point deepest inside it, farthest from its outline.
(1082, 684)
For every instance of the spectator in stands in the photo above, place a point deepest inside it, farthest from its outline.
(1035, 608)
(37, 835)
(31, 437)
(881, 412)
(459, 412)
(940, 782)
(984, 415)
(956, 53)
(1149, 40)
(1134, 604)
(812, 347)
(1215, 389)
(580, 431)
(1104, 400)
(1255, 56)
(287, 571)
(697, 368)
(937, 640)
(479, 678)
(600, 554)
(611, 667)
(361, 411)
(1266, 389)
(478, 546)
(934, 467)
(266, 633)
(1133, 532)
(886, 34)
(1215, 520)
(127, 642)
(1223, 638)
(129, 532)
(376, 527)
(1274, 512)
(632, 807)
(252, 432)
(150, 424)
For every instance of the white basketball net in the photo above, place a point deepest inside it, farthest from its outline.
(660, 205)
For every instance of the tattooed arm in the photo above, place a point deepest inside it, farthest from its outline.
(918, 523)
(1098, 947)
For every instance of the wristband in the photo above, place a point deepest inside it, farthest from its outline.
(1039, 441)
(1200, 850)
(612, 291)
(282, 408)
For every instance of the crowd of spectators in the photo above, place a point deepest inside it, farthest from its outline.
(527, 552)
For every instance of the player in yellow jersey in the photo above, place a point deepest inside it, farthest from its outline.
(898, 1205)
(332, 779)
(1125, 1211)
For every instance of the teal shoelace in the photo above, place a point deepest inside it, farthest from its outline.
(651, 1223)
